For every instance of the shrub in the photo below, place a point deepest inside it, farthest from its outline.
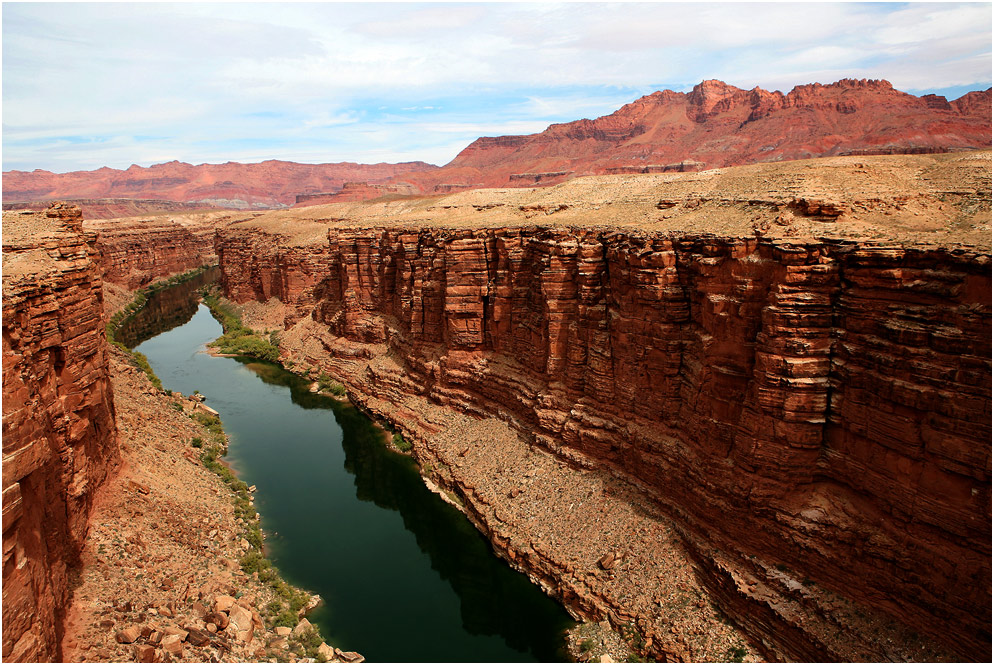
(401, 443)
(587, 645)
(197, 442)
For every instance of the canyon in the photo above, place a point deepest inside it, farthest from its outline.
(737, 408)
(135, 251)
(790, 363)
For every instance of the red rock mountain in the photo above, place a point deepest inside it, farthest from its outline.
(264, 185)
(718, 125)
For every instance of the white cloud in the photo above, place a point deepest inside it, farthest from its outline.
(309, 77)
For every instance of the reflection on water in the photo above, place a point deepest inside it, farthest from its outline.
(494, 599)
(405, 576)
(165, 310)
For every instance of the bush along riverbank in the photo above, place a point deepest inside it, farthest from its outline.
(238, 339)
(126, 313)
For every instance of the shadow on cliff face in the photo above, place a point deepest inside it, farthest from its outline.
(494, 599)
(165, 310)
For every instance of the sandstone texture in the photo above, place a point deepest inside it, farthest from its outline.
(788, 365)
(59, 437)
(135, 251)
(269, 184)
(718, 125)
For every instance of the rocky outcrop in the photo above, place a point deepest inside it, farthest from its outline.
(722, 125)
(59, 438)
(813, 413)
(268, 184)
(135, 251)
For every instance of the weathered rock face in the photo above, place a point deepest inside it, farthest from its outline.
(135, 251)
(59, 438)
(820, 409)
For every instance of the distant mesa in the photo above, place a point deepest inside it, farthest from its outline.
(714, 125)
(266, 185)
(717, 125)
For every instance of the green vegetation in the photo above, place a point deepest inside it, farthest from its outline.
(239, 339)
(587, 645)
(326, 383)
(287, 600)
(123, 315)
(736, 654)
(402, 444)
(306, 644)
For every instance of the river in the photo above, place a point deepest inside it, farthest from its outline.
(405, 576)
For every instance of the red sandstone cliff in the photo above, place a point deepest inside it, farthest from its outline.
(267, 184)
(135, 251)
(814, 414)
(720, 125)
(59, 437)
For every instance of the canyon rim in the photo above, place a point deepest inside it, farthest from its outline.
(722, 395)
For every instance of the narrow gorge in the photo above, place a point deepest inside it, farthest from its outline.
(742, 413)
(789, 364)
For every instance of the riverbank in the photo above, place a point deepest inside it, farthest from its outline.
(587, 538)
(172, 569)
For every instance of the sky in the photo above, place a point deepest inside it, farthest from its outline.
(88, 85)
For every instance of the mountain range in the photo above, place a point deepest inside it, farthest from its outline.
(712, 126)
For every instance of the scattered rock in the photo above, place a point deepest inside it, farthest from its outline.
(302, 627)
(145, 653)
(128, 635)
(283, 631)
(197, 637)
(607, 561)
(141, 488)
(223, 603)
(326, 652)
(173, 644)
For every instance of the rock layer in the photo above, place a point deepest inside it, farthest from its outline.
(59, 437)
(812, 413)
(135, 251)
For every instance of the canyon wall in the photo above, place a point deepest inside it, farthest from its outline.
(135, 251)
(59, 437)
(812, 413)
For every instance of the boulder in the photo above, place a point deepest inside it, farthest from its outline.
(197, 637)
(145, 653)
(173, 644)
(223, 603)
(302, 627)
(128, 635)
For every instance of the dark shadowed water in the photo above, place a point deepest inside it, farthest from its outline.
(404, 575)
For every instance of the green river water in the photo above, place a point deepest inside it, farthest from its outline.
(405, 577)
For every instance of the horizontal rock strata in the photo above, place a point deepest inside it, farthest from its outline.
(59, 437)
(135, 251)
(814, 414)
